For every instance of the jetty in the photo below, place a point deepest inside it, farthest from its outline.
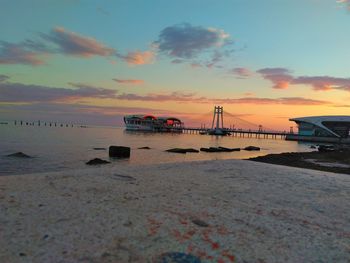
(260, 134)
(218, 129)
(45, 123)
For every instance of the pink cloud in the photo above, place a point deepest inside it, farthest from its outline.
(18, 92)
(72, 43)
(61, 41)
(324, 82)
(241, 72)
(280, 77)
(18, 54)
(283, 101)
(130, 81)
(191, 97)
(139, 57)
(174, 96)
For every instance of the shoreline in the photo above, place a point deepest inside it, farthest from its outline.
(229, 210)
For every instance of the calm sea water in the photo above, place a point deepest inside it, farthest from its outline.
(59, 148)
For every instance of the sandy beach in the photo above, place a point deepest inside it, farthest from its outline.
(215, 211)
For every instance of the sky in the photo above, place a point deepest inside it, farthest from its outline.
(92, 62)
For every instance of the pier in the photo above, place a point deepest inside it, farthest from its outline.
(218, 129)
(240, 133)
(45, 123)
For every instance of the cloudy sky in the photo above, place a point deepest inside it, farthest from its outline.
(94, 61)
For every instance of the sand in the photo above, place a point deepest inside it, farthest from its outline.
(216, 211)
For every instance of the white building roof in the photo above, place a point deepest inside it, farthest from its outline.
(318, 121)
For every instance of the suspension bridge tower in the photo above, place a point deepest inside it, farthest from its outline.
(217, 126)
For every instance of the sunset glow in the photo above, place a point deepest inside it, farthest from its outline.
(263, 61)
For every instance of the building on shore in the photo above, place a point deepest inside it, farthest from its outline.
(322, 129)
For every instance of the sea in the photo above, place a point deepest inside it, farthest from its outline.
(61, 148)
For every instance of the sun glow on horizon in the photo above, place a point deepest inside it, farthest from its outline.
(66, 62)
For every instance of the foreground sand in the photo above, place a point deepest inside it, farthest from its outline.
(218, 211)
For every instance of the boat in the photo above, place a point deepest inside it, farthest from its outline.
(150, 123)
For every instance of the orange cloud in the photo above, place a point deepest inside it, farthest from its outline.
(190, 97)
(130, 81)
(18, 54)
(72, 43)
(280, 77)
(282, 85)
(139, 57)
(324, 82)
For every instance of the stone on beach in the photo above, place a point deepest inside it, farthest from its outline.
(99, 148)
(119, 151)
(219, 149)
(176, 150)
(199, 222)
(144, 148)
(326, 148)
(124, 177)
(177, 257)
(97, 161)
(191, 150)
(313, 147)
(19, 155)
(252, 148)
(235, 149)
(211, 149)
(182, 150)
(224, 149)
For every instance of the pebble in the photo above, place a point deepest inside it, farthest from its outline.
(199, 222)
(177, 257)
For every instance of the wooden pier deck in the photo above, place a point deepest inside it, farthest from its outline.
(240, 133)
